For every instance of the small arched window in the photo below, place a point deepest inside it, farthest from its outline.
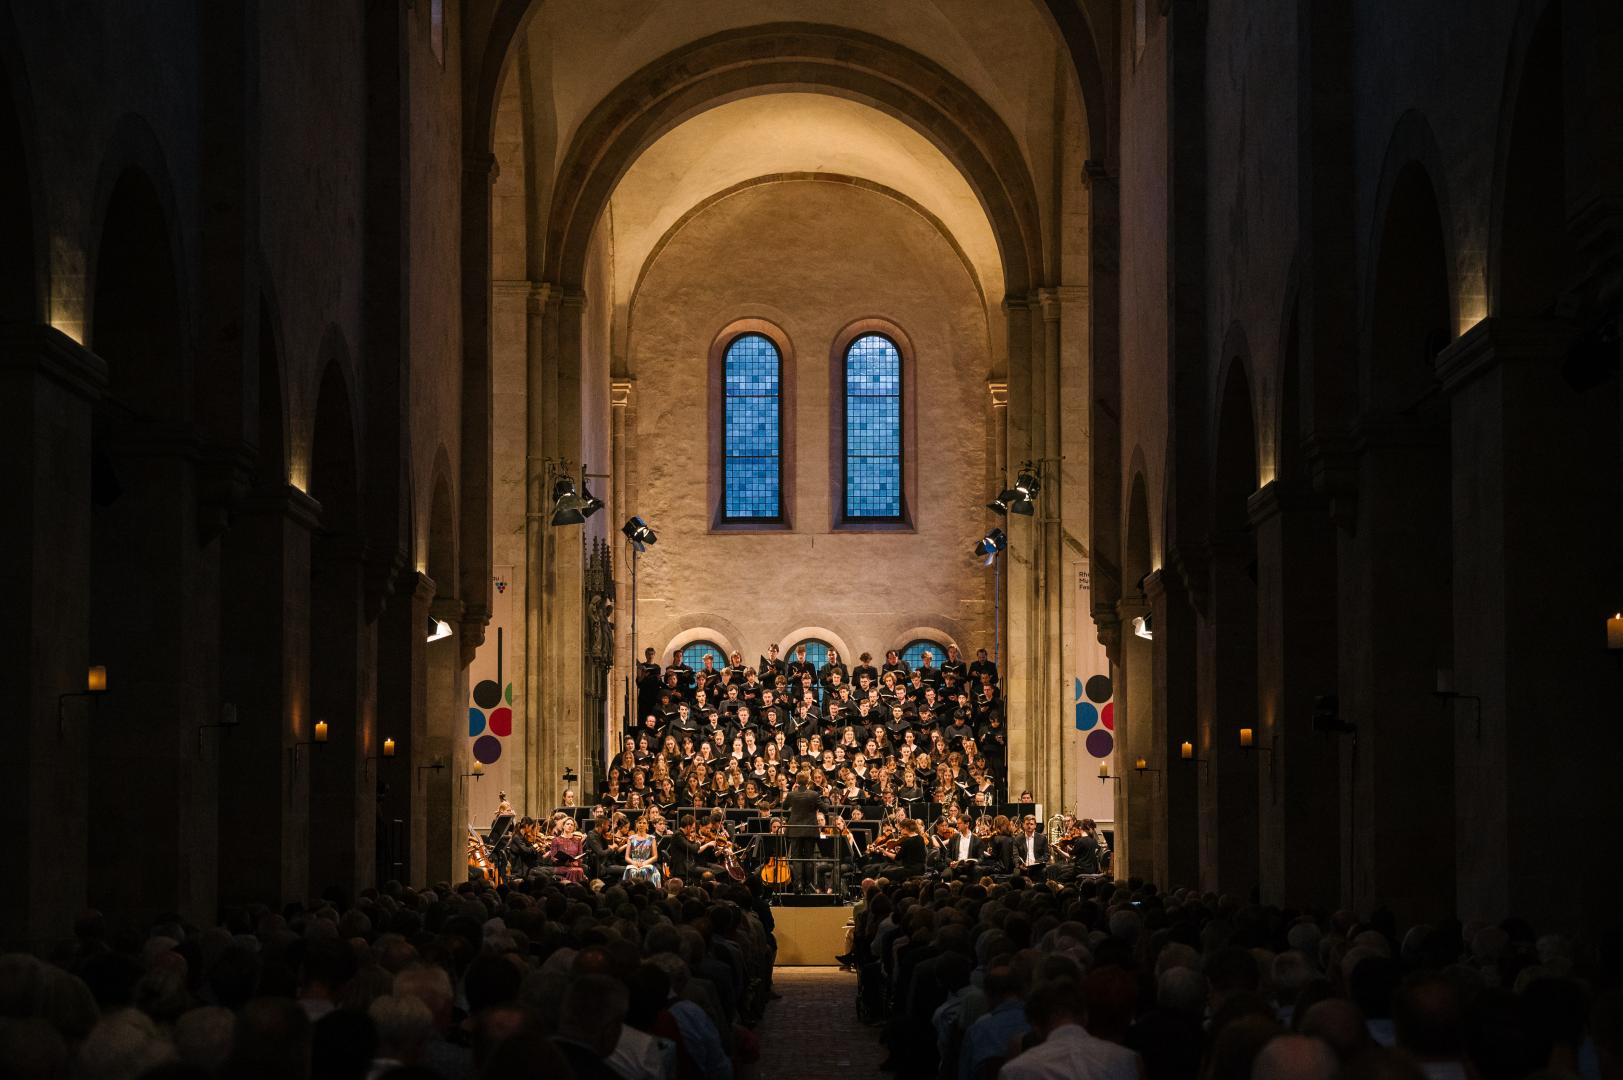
(816, 652)
(873, 430)
(694, 652)
(752, 414)
(914, 653)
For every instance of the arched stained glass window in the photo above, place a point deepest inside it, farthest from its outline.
(751, 426)
(873, 429)
(816, 652)
(914, 653)
(693, 654)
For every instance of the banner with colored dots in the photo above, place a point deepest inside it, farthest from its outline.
(1091, 712)
(490, 708)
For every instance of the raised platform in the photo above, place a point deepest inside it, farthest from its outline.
(811, 936)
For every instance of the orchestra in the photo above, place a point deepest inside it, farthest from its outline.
(729, 764)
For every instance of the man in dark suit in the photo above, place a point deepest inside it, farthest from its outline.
(1031, 846)
(802, 804)
(963, 850)
(771, 665)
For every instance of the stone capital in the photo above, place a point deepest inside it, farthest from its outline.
(48, 352)
(285, 500)
(1497, 341)
(1052, 300)
(415, 585)
(999, 393)
(620, 392)
(1279, 497)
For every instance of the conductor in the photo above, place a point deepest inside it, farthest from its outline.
(802, 803)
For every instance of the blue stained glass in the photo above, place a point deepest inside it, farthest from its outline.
(751, 416)
(816, 652)
(693, 654)
(873, 428)
(914, 653)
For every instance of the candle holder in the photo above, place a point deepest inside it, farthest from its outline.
(95, 687)
(1268, 753)
(388, 752)
(1449, 696)
(1186, 752)
(477, 772)
(436, 767)
(228, 720)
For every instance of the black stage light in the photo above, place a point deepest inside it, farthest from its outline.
(566, 505)
(989, 545)
(637, 531)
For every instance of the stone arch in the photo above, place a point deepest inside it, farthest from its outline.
(22, 197)
(838, 640)
(727, 643)
(888, 192)
(801, 56)
(1411, 193)
(1530, 252)
(135, 209)
(693, 626)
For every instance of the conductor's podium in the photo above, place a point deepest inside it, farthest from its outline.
(810, 936)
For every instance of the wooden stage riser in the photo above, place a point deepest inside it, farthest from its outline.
(810, 936)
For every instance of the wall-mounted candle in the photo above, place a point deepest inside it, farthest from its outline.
(478, 768)
(1104, 770)
(321, 731)
(388, 748)
(1141, 764)
(96, 680)
(1245, 737)
(1187, 751)
(1614, 631)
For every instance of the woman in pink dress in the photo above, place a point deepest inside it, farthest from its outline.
(565, 852)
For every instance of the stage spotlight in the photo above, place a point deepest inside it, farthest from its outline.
(988, 546)
(589, 503)
(638, 532)
(1142, 627)
(1019, 498)
(438, 629)
(568, 508)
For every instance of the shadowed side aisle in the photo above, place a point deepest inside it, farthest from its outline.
(813, 1031)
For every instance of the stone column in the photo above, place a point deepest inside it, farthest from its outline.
(264, 800)
(1228, 702)
(48, 387)
(1177, 850)
(623, 421)
(403, 717)
(1296, 663)
(445, 743)
(1535, 509)
(155, 620)
(1140, 734)
(338, 667)
(1018, 667)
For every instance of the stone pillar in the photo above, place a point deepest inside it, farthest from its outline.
(337, 668)
(155, 622)
(1535, 508)
(1021, 603)
(1140, 734)
(264, 800)
(1227, 662)
(623, 426)
(1173, 688)
(1393, 577)
(1296, 663)
(403, 717)
(445, 743)
(48, 386)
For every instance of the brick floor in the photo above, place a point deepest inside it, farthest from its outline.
(813, 1032)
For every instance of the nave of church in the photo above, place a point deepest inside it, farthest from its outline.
(381, 381)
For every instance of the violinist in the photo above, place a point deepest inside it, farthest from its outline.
(525, 849)
(960, 845)
(600, 849)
